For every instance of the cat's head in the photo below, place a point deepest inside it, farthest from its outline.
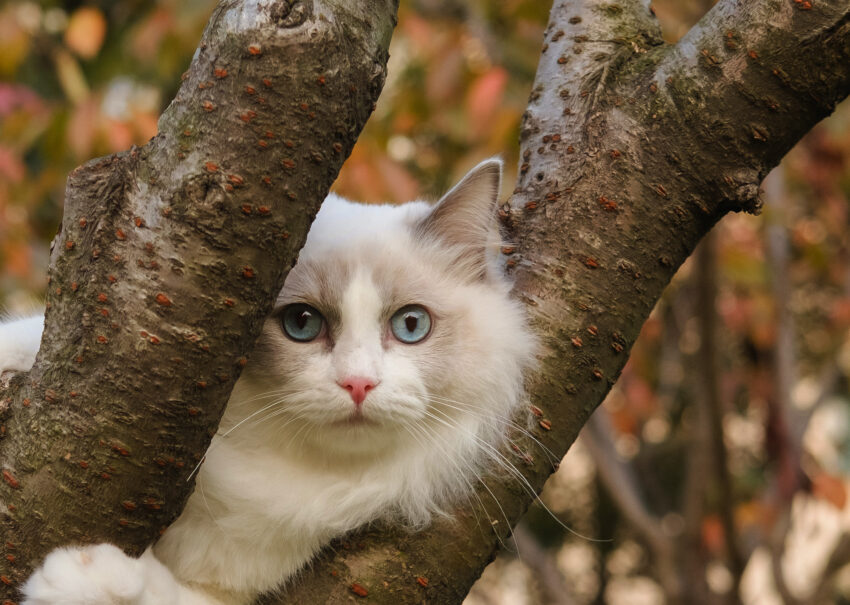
(395, 323)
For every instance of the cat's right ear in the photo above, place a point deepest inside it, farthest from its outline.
(465, 217)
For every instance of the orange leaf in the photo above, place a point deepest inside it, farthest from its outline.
(82, 129)
(18, 259)
(712, 534)
(86, 30)
(11, 166)
(830, 488)
(485, 98)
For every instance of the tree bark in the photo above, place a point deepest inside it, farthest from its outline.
(167, 261)
(631, 149)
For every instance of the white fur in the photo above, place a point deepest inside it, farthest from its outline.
(19, 342)
(291, 467)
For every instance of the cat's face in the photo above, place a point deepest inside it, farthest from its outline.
(390, 322)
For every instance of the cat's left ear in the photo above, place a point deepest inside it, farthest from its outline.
(465, 217)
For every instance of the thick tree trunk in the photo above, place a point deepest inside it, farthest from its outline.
(167, 261)
(632, 150)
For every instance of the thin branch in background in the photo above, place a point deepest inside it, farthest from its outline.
(622, 485)
(711, 404)
(822, 590)
(777, 552)
(698, 467)
(839, 558)
(620, 480)
(697, 462)
(670, 358)
(543, 568)
(785, 442)
(786, 424)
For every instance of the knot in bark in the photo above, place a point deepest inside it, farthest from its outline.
(749, 198)
(741, 192)
(291, 13)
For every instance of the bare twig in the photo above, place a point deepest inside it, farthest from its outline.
(777, 551)
(710, 402)
(788, 424)
(623, 487)
(542, 566)
(698, 467)
(839, 558)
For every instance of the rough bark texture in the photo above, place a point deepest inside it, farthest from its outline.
(168, 258)
(632, 150)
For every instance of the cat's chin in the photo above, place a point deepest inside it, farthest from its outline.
(356, 421)
(356, 444)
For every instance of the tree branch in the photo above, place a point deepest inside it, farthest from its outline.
(623, 173)
(743, 86)
(711, 407)
(622, 485)
(167, 261)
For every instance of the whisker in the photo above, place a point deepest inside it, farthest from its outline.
(454, 463)
(208, 507)
(506, 464)
(265, 395)
(249, 417)
(472, 409)
(233, 428)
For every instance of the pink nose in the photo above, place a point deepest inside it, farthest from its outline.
(358, 387)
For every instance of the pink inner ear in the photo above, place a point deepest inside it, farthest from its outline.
(466, 215)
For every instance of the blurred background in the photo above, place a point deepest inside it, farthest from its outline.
(717, 469)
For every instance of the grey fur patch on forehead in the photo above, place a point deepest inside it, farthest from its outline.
(402, 274)
(410, 250)
(318, 282)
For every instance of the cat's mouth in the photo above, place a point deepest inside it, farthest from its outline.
(356, 419)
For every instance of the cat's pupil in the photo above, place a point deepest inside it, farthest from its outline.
(301, 322)
(410, 324)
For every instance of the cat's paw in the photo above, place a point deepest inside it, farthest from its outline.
(90, 575)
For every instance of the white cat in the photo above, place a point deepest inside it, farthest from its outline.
(379, 388)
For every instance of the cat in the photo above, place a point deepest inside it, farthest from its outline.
(379, 388)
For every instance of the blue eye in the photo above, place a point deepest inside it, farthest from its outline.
(302, 322)
(411, 324)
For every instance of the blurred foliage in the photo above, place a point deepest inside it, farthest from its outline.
(83, 79)
(77, 80)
